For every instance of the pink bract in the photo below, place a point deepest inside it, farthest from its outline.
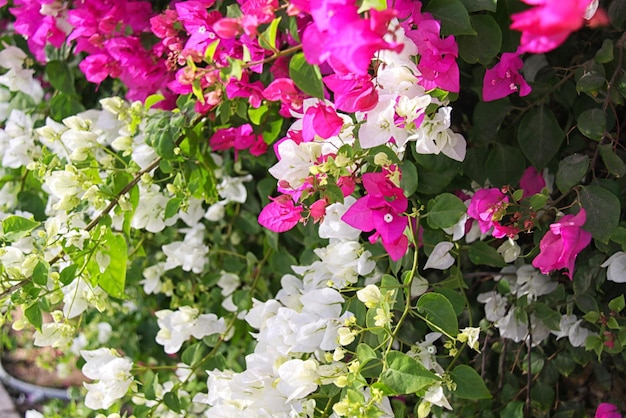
(562, 243)
(504, 78)
(607, 410)
(549, 23)
(487, 206)
(381, 211)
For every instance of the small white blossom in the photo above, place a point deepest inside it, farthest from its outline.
(616, 267)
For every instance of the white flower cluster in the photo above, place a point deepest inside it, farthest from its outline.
(512, 322)
(112, 375)
(400, 95)
(176, 327)
(294, 331)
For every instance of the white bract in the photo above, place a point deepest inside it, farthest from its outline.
(616, 267)
(112, 375)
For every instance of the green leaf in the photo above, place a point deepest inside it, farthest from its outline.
(68, 274)
(63, 105)
(549, 317)
(612, 161)
(194, 353)
(409, 179)
(480, 5)
(453, 17)
(33, 314)
(469, 384)
(617, 14)
(439, 313)
(617, 304)
(256, 114)
(571, 170)
(481, 253)
(61, 77)
(15, 227)
(172, 207)
(148, 386)
(539, 136)
(483, 46)
(445, 210)
(307, 77)
(152, 100)
(504, 165)
(372, 4)
(113, 279)
(40, 273)
(538, 201)
(592, 123)
(605, 53)
(267, 40)
(172, 402)
(365, 353)
(513, 410)
(405, 374)
(603, 211)
(590, 82)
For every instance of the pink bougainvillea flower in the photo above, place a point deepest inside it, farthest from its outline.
(487, 207)
(532, 182)
(352, 93)
(321, 120)
(281, 214)
(381, 211)
(546, 25)
(239, 138)
(339, 36)
(607, 410)
(562, 243)
(504, 78)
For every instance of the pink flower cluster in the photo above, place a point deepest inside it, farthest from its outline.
(342, 38)
(381, 210)
(41, 22)
(437, 63)
(504, 78)
(488, 207)
(562, 243)
(546, 25)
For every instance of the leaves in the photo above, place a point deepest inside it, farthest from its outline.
(485, 44)
(113, 278)
(439, 313)
(405, 374)
(603, 211)
(453, 17)
(469, 384)
(481, 253)
(571, 170)
(445, 210)
(592, 123)
(16, 227)
(539, 136)
(306, 76)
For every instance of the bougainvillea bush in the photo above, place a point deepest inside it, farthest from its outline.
(316, 208)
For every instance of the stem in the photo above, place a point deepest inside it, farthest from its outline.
(529, 379)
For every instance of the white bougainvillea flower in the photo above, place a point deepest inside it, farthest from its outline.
(435, 396)
(616, 267)
(111, 373)
(370, 295)
(440, 258)
(300, 377)
(509, 250)
(176, 327)
(471, 335)
(571, 327)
